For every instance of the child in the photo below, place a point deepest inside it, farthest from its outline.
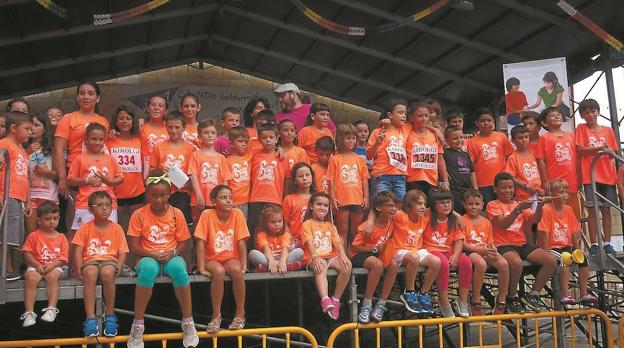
(456, 118)
(348, 183)
(126, 149)
(295, 204)
(386, 146)
(287, 142)
(207, 168)
(488, 151)
(239, 163)
(230, 118)
(43, 186)
(551, 94)
(522, 165)
(323, 249)
(319, 114)
(45, 252)
(3, 129)
(19, 128)
(263, 117)
(363, 132)
(17, 105)
(100, 251)
(461, 171)
(190, 107)
(54, 114)
(590, 139)
(268, 175)
(175, 152)
(273, 244)
(515, 100)
(511, 221)
(479, 246)
(325, 148)
(560, 231)
(158, 234)
(443, 237)
(366, 253)
(153, 132)
(530, 119)
(220, 236)
(556, 156)
(425, 164)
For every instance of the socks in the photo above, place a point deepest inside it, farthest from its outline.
(187, 320)
(326, 297)
(335, 299)
(368, 302)
(138, 321)
(606, 243)
(381, 302)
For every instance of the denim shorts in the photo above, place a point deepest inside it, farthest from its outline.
(393, 183)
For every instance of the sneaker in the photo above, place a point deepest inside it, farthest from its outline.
(49, 314)
(410, 300)
(462, 308)
(294, 266)
(127, 271)
(593, 250)
(568, 300)
(447, 311)
(364, 316)
(135, 339)
(327, 304)
(425, 303)
(588, 299)
(190, 338)
(378, 312)
(262, 268)
(334, 313)
(531, 302)
(29, 318)
(514, 305)
(13, 276)
(476, 309)
(499, 309)
(110, 325)
(90, 328)
(608, 249)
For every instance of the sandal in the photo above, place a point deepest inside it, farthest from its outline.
(237, 324)
(476, 309)
(214, 325)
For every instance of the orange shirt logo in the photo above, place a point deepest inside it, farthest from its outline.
(596, 141)
(322, 242)
(96, 247)
(348, 174)
(171, 161)
(240, 172)
(267, 170)
(189, 137)
(438, 239)
(209, 173)
(157, 235)
(21, 166)
(477, 238)
(224, 241)
(560, 233)
(153, 140)
(49, 255)
(530, 171)
(413, 237)
(489, 151)
(563, 152)
(93, 170)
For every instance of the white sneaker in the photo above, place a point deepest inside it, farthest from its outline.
(447, 311)
(190, 335)
(462, 308)
(49, 314)
(29, 318)
(135, 339)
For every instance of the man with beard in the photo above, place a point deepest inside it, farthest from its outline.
(290, 100)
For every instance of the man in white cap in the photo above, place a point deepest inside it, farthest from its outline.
(289, 98)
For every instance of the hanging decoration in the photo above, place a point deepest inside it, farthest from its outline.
(106, 18)
(591, 25)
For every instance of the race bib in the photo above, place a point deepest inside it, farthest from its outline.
(424, 157)
(397, 156)
(128, 158)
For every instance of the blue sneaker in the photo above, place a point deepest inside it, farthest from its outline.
(110, 325)
(593, 250)
(425, 303)
(608, 249)
(410, 300)
(90, 328)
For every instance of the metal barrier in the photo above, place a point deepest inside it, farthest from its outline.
(513, 322)
(4, 218)
(287, 331)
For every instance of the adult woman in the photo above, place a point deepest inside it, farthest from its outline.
(252, 109)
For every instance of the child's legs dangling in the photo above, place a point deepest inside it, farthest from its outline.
(464, 273)
(32, 279)
(217, 272)
(52, 286)
(235, 270)
(479, 266)
(583, 275)
(564, 278)
(344, 273)
(443, 277)
(375, 268)
(433, 265)
(502, 267)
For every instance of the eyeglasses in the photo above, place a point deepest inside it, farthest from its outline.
(444, 202)
(101, 205)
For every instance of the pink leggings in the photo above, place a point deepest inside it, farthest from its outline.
(464, 270)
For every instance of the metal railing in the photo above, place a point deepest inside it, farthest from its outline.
(110, 342)
(511, 322)
(4, 218)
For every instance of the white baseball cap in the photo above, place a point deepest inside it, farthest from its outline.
(287, 87)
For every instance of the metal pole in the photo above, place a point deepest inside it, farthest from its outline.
(4, 221)
(608, 70)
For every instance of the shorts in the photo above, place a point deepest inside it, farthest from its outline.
(400, 254)
(524, 250)
(99, 264)
(357, 261)
(32, 269)
(392, 183)
(608, 191)
(569, 249)
(351, 208)
(124, 202)
(82, 216)
(329, 262)
(15, 219)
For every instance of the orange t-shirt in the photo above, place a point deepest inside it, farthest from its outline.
(320, 178)
(128, 155)
(524, 168)
(560, 226)
(72, 127)
(348, 172)
(514, 234)
(559, 154)
(158, 233)
(190, 135)
(605, 168)
(88, 164)
(295, 207)
(167, 156)
(534, 147)
(151, 136)
(296, 155)
(308, 137)
(276, 243)
(240, 183)
(439, 238)
(488, 155)
(391, 157)
(19, 183)
(101, 245)
(211, 170)
(323, 235)
(254, 146)
(407, 235)
(423, 152)
(268, 174)
(221, 238)
(478, 233)
(46, 249)
(375, 239)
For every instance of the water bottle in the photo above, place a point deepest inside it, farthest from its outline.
(39, 157)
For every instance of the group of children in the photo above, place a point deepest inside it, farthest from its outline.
(285, 199)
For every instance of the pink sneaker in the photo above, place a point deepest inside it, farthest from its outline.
(294, 266)
(568, 300)
(589, 299)
(335, 312)
(327, 305)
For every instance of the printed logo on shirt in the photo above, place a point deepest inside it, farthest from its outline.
(224, 241)
(209, 173)
(21, 165)
(477, 237)
(291, 162)
(171, 161)
(240, 172)
(189, 137)
(322, 242)
(157, 235)
(560, 232)
(97, 248)
(489, 151)
(413, 237)
(462, 164)
(325, 184)
(267, 170)
(348, 174)
(563, 152)
(153, 140)
(49, 255)
(530, 171)
(93, 170)
(438, 238)
(596, 141)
